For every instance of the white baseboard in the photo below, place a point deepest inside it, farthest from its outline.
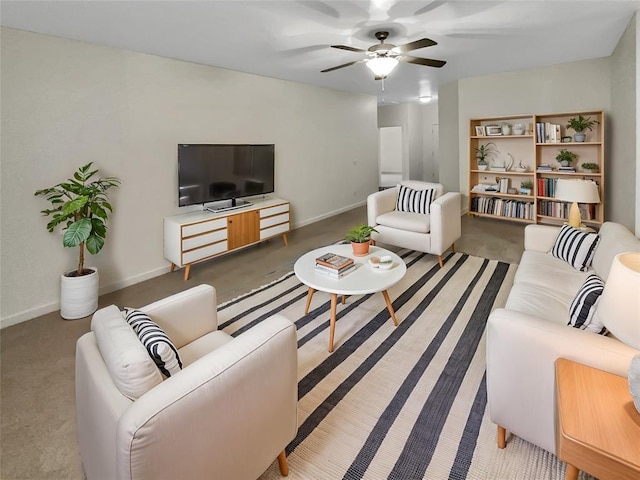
(328, 215)
(53, 306)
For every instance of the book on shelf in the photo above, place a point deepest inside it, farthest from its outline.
(334, 261)
(545, 167)
(332, 272)
(567, 169)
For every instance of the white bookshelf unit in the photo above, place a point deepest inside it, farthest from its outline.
(196, 236)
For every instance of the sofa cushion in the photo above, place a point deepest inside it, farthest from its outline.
(614, 239)
(414, 201)
(583, 307)
(202, 346)
(129, 365)
(575, 247)
(155, 340)
(541, 301)
(540, 268)
(412, 222)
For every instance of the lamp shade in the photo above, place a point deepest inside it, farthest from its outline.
(382, 66)
(581, 191)
(619, 306)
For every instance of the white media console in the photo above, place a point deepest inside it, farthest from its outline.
(196, 236)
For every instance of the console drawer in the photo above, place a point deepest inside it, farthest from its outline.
(204, 239)
(270, 232)
(201, 227)
(275, 220)
(204, 252)
(267, 212)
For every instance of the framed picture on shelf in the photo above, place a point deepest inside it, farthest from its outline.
(493, 130)
(480, 132)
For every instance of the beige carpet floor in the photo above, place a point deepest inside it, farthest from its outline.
(37, 406)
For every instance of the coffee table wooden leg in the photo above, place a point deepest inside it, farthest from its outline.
(571, 473)
(332, 325)
(390, 307)
(310, 293)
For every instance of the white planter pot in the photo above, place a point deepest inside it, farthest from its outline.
(78, 295)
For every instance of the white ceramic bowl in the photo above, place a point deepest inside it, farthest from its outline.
(386, 263)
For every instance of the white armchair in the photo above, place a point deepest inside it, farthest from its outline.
(228, 413)
(432, 233)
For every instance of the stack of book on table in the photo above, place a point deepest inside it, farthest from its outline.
(334, 265)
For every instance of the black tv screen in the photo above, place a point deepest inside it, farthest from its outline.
(209, 173)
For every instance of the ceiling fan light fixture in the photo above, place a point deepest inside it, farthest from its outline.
(382, 66)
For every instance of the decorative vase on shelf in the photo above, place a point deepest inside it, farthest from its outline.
(506, 129)
(518, 129)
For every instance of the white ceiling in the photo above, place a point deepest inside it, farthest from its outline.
(291, 39)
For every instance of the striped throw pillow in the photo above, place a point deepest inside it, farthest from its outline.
(583, 307)
(575, 247)
(156, 341)
(414, 201)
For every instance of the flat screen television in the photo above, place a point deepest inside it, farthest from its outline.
(213, 172)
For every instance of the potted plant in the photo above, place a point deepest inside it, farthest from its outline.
(483, 152)
(526, 187)
(579, 124)
(81, 205)
(565, 157)
(589, 167)
(360, 238)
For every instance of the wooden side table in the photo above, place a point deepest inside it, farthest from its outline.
(598, 427)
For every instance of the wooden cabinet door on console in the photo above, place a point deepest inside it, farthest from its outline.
(243, 229)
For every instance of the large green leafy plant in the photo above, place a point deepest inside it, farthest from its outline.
(82, 206)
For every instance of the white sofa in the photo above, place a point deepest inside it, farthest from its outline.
(432, 233)
(525, 338)
(228, 413)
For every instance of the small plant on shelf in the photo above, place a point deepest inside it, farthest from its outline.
(589, 167)
(565, 157)
(579, 124)
(484, 152)
(526, 187)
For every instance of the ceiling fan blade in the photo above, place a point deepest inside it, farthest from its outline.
(340, 66)
(422, 43)
(347, 47)
(428, 62)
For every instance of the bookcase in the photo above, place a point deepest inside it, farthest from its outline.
(498, 192)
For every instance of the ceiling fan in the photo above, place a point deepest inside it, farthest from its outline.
(382, 58)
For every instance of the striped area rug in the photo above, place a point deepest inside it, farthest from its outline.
(406, 402)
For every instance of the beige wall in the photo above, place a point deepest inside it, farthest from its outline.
(65, 103)
(430, 157)
(622, 199)
(449, 165)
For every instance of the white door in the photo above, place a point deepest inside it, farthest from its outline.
(390, 155)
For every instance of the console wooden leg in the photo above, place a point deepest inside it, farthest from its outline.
(390, 307)
(173, 267)
(502, 437)
(310, 293)
(282, 463)
(187, 271)
(284, 239)
(453, 247)
(332, 324)
(571, 473)
(440, 261)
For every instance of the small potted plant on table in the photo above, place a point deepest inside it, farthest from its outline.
(360, 238)
(579, 124)
(82, 206)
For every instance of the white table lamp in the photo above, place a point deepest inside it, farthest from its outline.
(619, 310)
(576, 191)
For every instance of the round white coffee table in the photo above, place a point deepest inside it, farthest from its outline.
(363, 280)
